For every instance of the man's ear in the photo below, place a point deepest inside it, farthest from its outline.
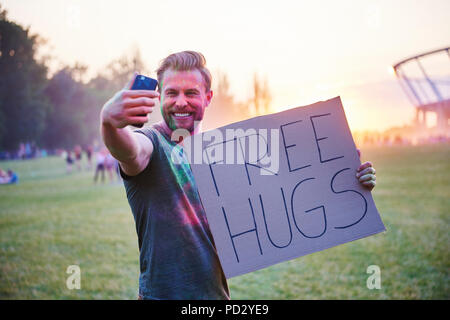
(209, 96)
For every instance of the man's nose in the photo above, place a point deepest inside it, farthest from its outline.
(181, 101)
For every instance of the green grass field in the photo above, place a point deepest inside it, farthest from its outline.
(51, 220)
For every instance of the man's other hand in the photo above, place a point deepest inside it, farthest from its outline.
(366, 174)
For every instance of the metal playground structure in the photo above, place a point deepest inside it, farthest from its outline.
(425, 78)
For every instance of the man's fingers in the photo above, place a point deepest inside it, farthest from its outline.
(366, 171)
(369, 184)
(142, 101)
(139, 111)
(140, 93)
(364, 166)
(367, 177)
(138, 120)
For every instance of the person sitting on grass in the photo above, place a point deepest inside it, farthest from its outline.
(9, 177)
(178, 258)
(13, 177)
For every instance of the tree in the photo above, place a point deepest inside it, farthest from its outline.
(261, 95)
(75, 106)
(23, 107)
(74, 112)
(119, 71)
(78, 71)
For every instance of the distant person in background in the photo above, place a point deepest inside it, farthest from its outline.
(111, 166)
(21, 152)
(33, 150)
(100, 165)
(69, 161)
(88, 151)
(77, 151)
(27, 150)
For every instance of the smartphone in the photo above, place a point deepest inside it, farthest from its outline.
(143, 83)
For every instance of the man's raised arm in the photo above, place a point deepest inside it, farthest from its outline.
(132, 150)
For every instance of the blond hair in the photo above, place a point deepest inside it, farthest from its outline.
(185, 61)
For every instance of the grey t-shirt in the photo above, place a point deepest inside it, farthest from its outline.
(178, 259)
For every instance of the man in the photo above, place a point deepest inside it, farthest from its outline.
(178, 259)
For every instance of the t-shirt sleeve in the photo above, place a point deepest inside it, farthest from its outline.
(149, 133)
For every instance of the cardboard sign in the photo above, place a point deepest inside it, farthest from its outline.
(281, 186)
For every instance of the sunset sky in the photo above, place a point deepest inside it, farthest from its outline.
(308, 50)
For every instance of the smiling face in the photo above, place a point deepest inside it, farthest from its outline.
(183, 98)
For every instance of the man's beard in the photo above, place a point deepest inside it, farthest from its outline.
(171, 122)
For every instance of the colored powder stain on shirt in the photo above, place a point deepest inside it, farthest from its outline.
(178, 259)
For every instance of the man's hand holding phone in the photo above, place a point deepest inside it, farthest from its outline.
(131, 105)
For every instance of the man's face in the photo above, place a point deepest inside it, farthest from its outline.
(183, 98)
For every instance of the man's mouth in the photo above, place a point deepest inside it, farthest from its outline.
(181, 115)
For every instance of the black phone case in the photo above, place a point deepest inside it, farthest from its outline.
(143, 83)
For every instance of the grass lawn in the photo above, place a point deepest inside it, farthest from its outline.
(52, 219)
